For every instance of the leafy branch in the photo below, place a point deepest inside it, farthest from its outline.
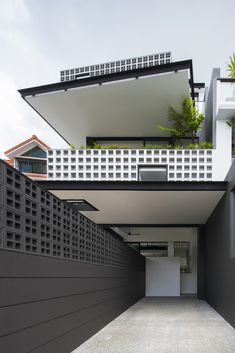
(231, 66)
(187, 122)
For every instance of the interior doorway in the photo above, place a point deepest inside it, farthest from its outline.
(171, 253)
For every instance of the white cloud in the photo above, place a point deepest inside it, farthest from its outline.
(18, 121)
(21, 62)
(13, 12)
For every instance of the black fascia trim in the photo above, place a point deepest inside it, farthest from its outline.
(143, 225)
(90, 140)
(226, 79)
(135, 185)
(146, 71)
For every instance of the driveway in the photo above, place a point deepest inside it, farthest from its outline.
(164, 325)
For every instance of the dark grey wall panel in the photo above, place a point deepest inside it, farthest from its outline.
(63, 344)
(220, 260)
(44, 318)
(62, 277)
(201, 254)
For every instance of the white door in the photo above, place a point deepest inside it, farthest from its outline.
(162, 276)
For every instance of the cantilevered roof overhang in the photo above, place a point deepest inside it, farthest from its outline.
(130, 103)
(143, 203)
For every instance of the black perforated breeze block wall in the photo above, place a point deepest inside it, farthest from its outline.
(62, 277)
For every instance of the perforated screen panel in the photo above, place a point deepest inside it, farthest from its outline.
(116, 66)
(33, 220)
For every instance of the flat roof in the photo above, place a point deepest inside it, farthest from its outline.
(130, 103)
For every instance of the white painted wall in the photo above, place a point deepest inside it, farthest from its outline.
(162, 276)
(188, 280)
(223, 152)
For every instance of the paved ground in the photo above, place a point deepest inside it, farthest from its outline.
(164, 325)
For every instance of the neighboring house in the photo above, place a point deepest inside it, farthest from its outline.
(173, 206)
(29, 157)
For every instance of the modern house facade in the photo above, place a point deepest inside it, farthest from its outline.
(124, 212)
(29, 157)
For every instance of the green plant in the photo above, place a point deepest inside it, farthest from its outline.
(205, 145)
(96, 146)
(112, 147)
(154, 147)
(187, 122)
(201, 145)
(231, 66)
(231, 122)
(81, 147)
(192, 146)
(72, 146)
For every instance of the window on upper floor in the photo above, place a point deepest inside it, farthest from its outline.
(32, 166)
(36, 152)
(152, 173)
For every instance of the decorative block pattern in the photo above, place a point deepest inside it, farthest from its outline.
(116, 66)
(122, 164)
(34, 221)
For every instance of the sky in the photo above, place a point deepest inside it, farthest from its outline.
(38, 38)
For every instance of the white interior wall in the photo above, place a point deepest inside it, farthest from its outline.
(188, 281)
(162, 277)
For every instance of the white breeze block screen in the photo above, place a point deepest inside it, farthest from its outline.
(124, 164)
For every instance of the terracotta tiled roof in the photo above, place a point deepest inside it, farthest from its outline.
(33, 138)
(34, 175)
(9, 161)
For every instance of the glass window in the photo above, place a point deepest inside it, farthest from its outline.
(154, 249)
(32, 166)
(182, 250)
(36, 152)
(153, 173)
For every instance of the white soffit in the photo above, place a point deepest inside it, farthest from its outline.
(132, 107)
(146, 207)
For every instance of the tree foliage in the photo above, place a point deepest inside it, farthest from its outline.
(231, 66)
(187, 122)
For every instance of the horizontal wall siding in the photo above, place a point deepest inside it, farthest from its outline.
(39, 308)
(62, 277)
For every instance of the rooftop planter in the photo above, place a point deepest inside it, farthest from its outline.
(202, 145)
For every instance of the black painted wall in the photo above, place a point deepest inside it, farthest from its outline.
(220, 255)
(52, 305)
(62, 277)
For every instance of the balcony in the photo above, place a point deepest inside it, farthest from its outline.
(131, 164)
(226, 98)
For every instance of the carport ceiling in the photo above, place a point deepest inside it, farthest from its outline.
(146, 207)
